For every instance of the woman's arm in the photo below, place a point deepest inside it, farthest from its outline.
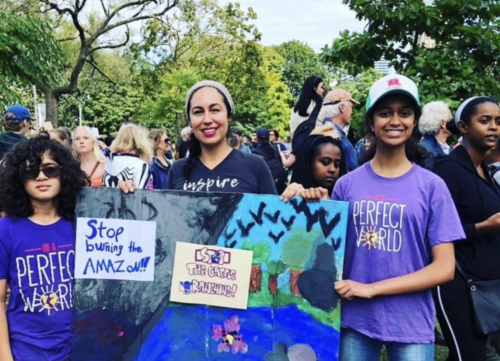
(5, 352)
(287, 158)
(440, 270)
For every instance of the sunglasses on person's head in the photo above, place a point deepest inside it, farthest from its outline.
(50, 171)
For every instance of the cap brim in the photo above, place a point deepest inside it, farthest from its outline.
(396, 91)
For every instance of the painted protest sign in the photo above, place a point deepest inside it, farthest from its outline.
(211, 276)
(115, 249)
(293, 313)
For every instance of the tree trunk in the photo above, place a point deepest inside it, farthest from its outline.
(273, 284)
(52, 107)
(255, 279)
(294, 282)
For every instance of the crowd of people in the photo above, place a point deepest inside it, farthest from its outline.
(424, 208)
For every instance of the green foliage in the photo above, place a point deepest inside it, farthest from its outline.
(205, 40)
(300, 63)
(104, 106)
(463, 62)
(359, 86)
(29, 55)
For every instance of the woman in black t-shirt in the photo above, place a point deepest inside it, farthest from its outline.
(477, 199)
(212, 165)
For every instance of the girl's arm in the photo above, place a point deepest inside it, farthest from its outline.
(287, 158)
(440, 270)
(5, 353)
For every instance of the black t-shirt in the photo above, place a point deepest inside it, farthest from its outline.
(238, 173)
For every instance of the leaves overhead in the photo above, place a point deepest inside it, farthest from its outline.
(463, 62)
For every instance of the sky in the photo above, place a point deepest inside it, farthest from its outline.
(315, 22)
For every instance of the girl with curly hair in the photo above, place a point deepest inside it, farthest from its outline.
(39, 183)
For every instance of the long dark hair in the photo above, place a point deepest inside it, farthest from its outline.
(414, 151)
(307, 94)
(15, 200)
(302, 169)
(194, 143)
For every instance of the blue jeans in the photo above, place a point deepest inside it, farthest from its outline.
(355, 346)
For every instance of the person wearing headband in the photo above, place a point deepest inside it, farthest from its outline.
(212, 165)
(477, 199)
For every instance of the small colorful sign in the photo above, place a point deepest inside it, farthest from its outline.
(210, 275)
(115, 249)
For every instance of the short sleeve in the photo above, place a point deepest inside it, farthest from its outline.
(4, 256)
(142, 176)
(265, 179)
(337, 194)
(444, 223)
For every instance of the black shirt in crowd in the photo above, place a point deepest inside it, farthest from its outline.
(476, 200)
(238, 173)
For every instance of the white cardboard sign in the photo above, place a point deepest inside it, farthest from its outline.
(210, 275)
(115, 249)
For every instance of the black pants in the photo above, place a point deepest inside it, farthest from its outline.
(455, 316)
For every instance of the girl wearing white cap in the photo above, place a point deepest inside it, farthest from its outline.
(402, 221)
(477, 199)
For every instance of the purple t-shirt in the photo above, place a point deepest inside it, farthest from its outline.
(38, 262)
(393, 222)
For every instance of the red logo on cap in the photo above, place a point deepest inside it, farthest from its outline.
(394, 82)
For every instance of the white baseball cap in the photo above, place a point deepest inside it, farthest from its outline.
(392, 84)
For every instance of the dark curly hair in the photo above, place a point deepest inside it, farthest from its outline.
(15, 200)
(414, 151)
(302, 169)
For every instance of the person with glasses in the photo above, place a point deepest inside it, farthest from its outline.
(16, 121)
(337, 110)
(161, 162)
(39, 185)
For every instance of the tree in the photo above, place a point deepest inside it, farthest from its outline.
(462, 62)
(359, 87)
(29, 55)
(205, 40)
(97, 35)
(300, 63)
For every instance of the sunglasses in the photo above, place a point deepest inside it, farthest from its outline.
(50, 171)
(167, 140)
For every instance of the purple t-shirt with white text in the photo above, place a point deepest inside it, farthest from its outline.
(38, 262)
(393, 223)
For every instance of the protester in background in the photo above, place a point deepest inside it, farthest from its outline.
(161, 164)
(129, 160)
(61, 135)
(237, 141)
(337, 109)
(16, 121)
(183, 146)
(254, 141)
(91, 158)
(212, 165)
(318, 165)
(273, 159)
(38, 189)
(310, 100)
(275, 140)
(432, 125)
(363, 146)
(247, 142)
(477, 199)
